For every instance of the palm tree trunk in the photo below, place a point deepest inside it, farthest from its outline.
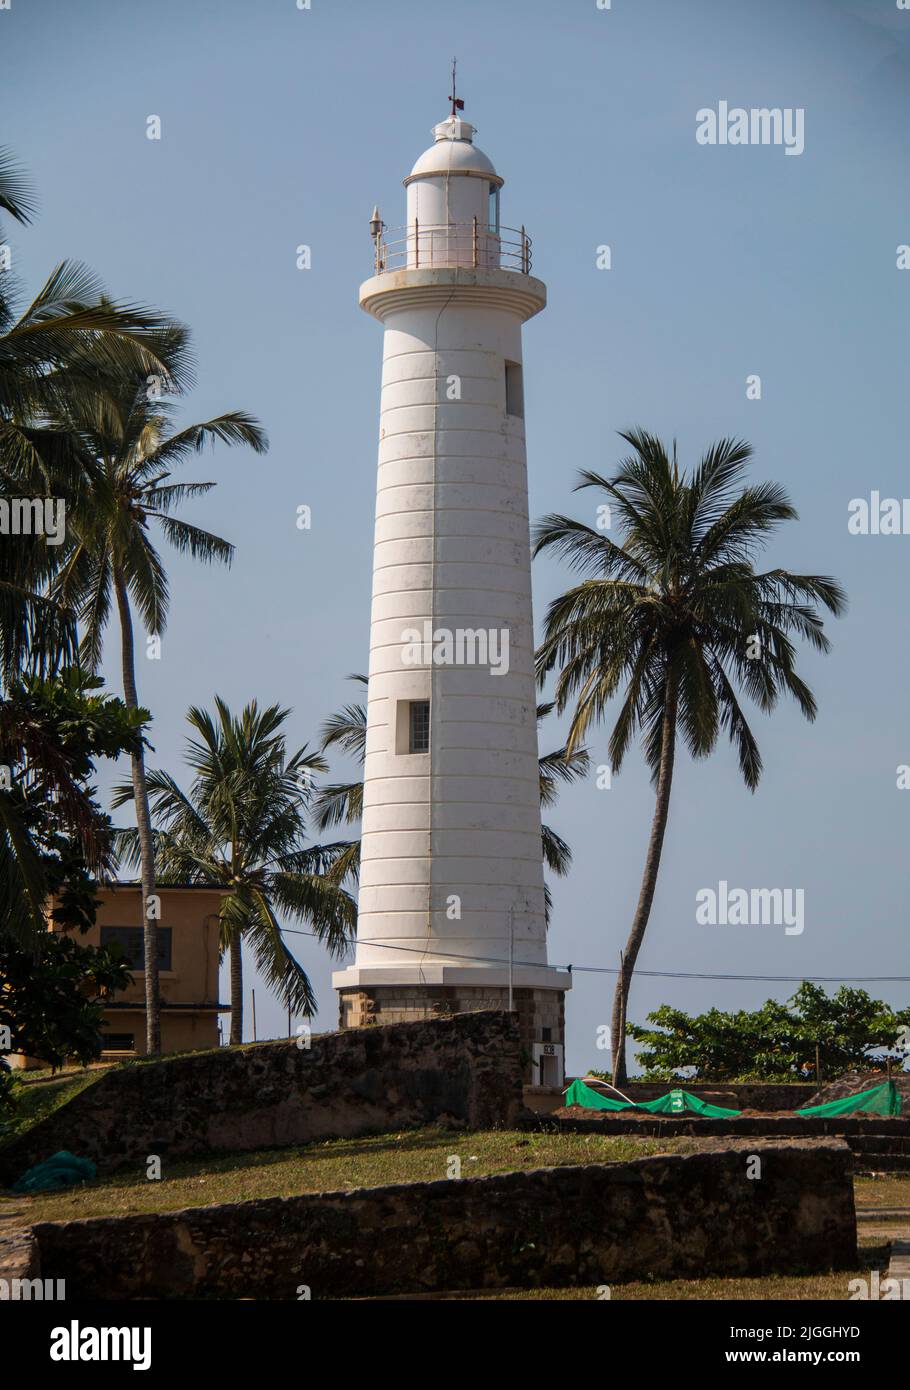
(144, 824)
(236, 986)
(648, 883)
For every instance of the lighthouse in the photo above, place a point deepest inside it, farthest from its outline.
(451, 909)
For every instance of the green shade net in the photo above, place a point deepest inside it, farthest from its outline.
(61, 1170)
(675, 1102)
(880, 1100)
(580, 1094)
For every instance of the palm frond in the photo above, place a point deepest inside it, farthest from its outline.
(16, 194)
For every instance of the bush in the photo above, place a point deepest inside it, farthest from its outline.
(777, 1042)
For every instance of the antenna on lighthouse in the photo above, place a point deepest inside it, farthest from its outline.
(457, 103)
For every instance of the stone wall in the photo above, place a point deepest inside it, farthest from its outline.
(466, 1069)
(667, 1216)
(852, 1082)
(576, 1120)
(541, 1012)
(19, 1261)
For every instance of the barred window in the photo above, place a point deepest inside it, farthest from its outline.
(419, 727)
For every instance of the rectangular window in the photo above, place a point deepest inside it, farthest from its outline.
(515, 395)
(118, 1042)
(130, 941)
(419, 726)
(493, 213)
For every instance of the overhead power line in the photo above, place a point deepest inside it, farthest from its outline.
(574, 969)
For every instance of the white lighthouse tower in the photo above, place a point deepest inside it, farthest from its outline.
(451, 914)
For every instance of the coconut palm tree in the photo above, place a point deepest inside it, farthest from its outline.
(675, 617)
(128, 435)
(342, 802)
(68, 339)
(242, 826)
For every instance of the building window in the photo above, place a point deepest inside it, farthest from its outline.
(419, 726)
(546, 1034)
(515, 395)
(493, 214)
(130, 940)
(118, 1042)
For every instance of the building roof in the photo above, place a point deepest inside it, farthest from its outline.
(137, 1006)
(116, 883)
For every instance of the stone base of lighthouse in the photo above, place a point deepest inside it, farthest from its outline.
(541, 1015)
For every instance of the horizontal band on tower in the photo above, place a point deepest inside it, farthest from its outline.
(435, 288)
(435, 972)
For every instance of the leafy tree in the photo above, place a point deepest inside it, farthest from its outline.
(342, 802)
(55, 840)
(674, 617)
(242, 826)
(774, 1043)
(51, 999)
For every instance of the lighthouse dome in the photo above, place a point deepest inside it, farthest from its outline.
(454, 152)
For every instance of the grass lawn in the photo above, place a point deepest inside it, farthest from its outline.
(337, 1165)
(424, 1155)
(811, 1286)
(342, 1164)
(34, 1102)
(892, 1190)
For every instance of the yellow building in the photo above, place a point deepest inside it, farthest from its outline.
(187, 966)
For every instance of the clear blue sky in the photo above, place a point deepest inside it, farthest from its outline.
(283, 127)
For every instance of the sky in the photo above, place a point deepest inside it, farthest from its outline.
(281, 127)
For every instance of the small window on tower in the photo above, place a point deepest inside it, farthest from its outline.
(515, 395)
(493, 215)
(419, 727)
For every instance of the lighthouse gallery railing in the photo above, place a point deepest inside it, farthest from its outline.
(471, 244)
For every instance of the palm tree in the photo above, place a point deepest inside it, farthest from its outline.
(675, 615)
(242, 826)
(69, 338)
(342, 802)
(66, 342)
(133, 448)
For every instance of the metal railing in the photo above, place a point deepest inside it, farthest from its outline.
(475, 245)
